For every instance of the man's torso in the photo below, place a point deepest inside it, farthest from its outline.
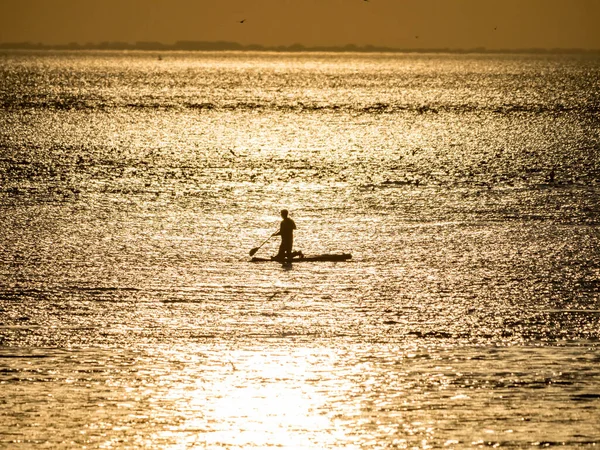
(287, 228)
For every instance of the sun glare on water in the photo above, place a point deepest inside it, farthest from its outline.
(261, 400)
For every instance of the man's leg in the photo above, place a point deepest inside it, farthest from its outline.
(281, 252)
(287, 249)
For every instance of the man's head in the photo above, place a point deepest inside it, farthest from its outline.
(284, 213)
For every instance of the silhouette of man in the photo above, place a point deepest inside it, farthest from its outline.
(286, 231)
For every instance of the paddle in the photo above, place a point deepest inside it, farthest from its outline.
(255, 249)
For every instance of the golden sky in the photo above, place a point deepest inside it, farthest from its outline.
(393, 23)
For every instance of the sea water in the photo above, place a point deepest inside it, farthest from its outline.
(133, 185)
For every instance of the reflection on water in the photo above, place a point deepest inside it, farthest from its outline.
(291, 396)
(465, 187)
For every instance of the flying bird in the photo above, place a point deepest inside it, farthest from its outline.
(242, 21)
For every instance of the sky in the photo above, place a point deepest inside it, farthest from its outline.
(393, 23)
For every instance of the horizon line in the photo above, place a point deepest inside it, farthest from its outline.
(188, 45)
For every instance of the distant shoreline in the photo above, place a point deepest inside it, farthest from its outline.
(234, 46)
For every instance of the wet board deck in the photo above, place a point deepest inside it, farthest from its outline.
(333, 257)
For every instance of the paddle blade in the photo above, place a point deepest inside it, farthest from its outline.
(253, 251)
